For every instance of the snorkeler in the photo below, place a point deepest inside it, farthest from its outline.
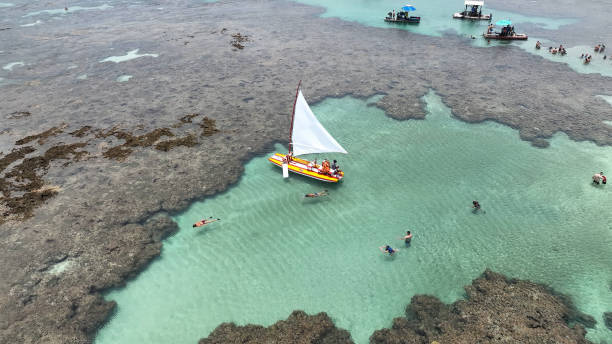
(388, 249)
(316, 194)
(205, 222)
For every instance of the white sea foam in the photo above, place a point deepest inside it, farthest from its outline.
(124, 78)
(10, 66)
(6, 4)
(82, 77)
(61, 267)
(38, 22)
(129, 56)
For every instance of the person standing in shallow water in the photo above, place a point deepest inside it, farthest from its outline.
(407, 238)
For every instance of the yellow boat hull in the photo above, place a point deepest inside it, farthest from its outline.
(300, 166)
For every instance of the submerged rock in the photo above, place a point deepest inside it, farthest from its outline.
(298, 328)
(607, 316)
(497, 309)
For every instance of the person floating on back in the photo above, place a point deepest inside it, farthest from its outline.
(388, 249)
(316, 194)
(407, 238)
(205, 222)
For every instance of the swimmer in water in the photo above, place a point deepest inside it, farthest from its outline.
(475, 205)
(205, 222)
(388, 249)
(316, 194)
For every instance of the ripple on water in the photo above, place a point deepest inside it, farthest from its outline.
(71, 9)
(274, 251)
(129, 56)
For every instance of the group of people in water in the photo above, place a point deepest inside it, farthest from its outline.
(562, 51)
(599, 178)
(387, 249)
(599, 48)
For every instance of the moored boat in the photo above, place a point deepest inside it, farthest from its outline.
(473, 11)
(308, 136)
(403, 16)
(506, 34)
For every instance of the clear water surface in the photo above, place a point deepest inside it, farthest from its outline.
(274, 251)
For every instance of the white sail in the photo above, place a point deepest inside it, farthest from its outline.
(308, 135)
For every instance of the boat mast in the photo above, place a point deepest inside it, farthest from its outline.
(292, 117)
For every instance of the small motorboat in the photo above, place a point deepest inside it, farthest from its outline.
(403, 16)
(473, 11)
(506, 34)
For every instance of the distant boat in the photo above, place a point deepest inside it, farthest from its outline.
(308, 136)
(474, 12)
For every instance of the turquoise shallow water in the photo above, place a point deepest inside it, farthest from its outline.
(437, 19)
(436, 16)
(274, 251)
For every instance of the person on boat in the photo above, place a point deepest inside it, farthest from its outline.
(393, 15)
(205, 222)
(407, 238)
(316, 194)
(325, 167)
(475, 205)
(334, 167)
(387, 249)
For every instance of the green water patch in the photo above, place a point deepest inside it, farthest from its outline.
(436, 16)
(275, 251)
(70, 9)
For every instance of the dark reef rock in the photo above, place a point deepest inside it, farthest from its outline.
(96, 214)
(496, 310)
(299, 328)
(607, 316)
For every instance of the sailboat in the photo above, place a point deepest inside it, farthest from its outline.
(308, 136)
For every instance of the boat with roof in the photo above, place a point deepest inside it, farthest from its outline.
(403, 16)
(473, 11)
(506, 34)
(308, 136)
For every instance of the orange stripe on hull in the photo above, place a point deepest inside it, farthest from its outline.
(303, 171)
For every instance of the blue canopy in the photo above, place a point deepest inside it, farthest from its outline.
(408, 8)
(504, 22)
